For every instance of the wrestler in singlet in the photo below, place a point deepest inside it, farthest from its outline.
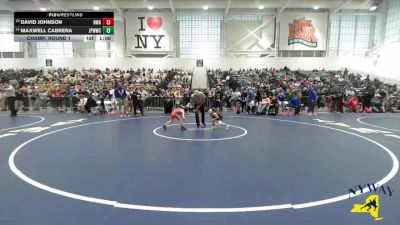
(175, 113)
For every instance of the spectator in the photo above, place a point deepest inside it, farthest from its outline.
(218, 99)
(295, 103)
(282, 98)
(3, 101)
(383, 95)
(9, 93)
(354, 104)
(366, 100)
(90, 103)
(340, 103)
(312, 98)
(274, 107)
(243, 97)
(250, 99)
(120, 96)
(137, 102)
(321, 102)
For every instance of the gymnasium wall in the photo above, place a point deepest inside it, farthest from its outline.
(224, 63)
(385, 68)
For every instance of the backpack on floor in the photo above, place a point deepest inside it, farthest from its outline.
(262, 109)
(367, 110)
(273, 110)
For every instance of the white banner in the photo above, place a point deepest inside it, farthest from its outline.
(7, 43)
(149, 32)
(303, 31)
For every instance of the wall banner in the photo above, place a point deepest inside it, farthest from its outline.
(303, 31)
(149, 32)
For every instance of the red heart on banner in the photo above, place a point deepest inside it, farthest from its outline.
(154, 22)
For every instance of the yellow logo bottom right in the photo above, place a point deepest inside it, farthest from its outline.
(370, 206)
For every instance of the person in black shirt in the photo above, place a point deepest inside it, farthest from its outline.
(258, 96)
(90, 103)
(243, 99)
(218, 100)
(103, 95)
(366, 100)
(137, 102)
(198, 100)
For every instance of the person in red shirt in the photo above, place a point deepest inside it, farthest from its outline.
(177, 114)
(354, 104)
(57, 95)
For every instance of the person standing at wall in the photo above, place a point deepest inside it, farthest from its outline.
(198, 100)
(120, 96)
(250, 99)
(9, 93)
(218, 99)
(366, 100)
(137, 100)
(25, 97)
(3, 101)
(144, 94)
(243, 98)
(281, 98)
(312, 99)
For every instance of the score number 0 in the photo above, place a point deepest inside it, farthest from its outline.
(108, 25)
(108, 21)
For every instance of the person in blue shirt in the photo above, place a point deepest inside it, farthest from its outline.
(295, 103)
(120, 95)
(250, 98)
(72, 98)
(312, 99)
(282, 97)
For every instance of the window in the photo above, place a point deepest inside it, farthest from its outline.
(102, 49)
(347, 32)
(350, 34)
(362, 39)
(334, 36)
(200, 33)
(393, 22)
(54, 50)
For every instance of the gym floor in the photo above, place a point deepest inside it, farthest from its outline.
(69, 169)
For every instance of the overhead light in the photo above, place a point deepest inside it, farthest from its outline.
(260, 7)
(373, 7)
(205, 7)
(150, 7)
(96, 8)
(43, 9)
(316, 7)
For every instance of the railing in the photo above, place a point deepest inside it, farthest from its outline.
(156, 103)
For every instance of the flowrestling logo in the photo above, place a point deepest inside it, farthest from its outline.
(302, 31)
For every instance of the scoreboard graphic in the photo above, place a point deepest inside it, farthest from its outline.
(63, 26)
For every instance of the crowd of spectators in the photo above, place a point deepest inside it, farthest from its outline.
(326, 90)
(69, 88)
(252, 90)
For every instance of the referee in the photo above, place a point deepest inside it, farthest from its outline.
(198, 100)
(9, 93)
